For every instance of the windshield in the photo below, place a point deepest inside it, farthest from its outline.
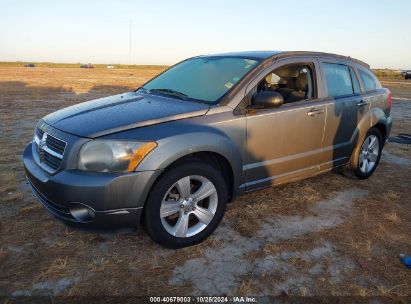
(204, 79)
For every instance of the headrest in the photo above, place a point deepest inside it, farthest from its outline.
(301, 82)
(291, 83)
(282, 81)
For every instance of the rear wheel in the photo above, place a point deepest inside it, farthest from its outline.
(185, 205)
(369, 154)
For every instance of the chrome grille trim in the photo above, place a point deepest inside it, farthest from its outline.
(39, 132)
(48, 147)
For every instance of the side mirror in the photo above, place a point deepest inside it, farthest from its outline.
(267, 100)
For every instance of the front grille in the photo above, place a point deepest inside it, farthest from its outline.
(50, 149)
(51, 161)
(39, 133)
(55, 144)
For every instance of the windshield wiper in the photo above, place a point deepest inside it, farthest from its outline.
(143, 89)
(170, 92)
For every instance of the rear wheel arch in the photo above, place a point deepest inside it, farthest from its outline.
(374, 118)
(383, 130)
(353, 164)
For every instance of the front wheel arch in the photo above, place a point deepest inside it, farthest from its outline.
(214, 159)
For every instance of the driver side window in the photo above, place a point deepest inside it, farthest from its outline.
(293, 81)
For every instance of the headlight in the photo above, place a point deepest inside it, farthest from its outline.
(112, 156)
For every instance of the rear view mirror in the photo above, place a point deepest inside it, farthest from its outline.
(267, 100)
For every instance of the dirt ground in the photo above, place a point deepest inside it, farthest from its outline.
(325, 236)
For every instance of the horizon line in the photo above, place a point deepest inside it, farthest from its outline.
(128, 64)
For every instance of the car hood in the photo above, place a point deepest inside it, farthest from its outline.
(121, 112)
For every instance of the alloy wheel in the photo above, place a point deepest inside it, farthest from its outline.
(188, 206)
(370, 150)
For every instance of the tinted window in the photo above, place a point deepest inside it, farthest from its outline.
(355, 82)
(338, 79)
(369, 81)
(204, 79)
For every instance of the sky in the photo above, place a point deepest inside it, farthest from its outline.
(165, 32)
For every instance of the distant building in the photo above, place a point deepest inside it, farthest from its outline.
(110, 67)
(30, 65)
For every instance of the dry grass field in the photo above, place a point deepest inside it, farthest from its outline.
(324, 236)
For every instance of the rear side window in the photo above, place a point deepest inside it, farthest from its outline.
(355, 82)
(369, 81)
(338, 79)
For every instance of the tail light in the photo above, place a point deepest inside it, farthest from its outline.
(389, 100)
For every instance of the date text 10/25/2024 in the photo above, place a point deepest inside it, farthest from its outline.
(205, 299)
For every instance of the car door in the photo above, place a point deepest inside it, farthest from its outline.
(345, 109)
(284, 143)
(373, 96)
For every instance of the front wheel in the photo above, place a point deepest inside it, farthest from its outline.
(369, 154)
(185, 205)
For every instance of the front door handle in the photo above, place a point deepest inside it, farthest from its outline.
(362, 103)
(314, 112)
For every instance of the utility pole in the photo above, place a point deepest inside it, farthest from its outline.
(129, 55)
(129, 51)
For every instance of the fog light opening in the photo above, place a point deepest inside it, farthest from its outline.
(82, 213)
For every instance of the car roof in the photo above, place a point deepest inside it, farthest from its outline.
(247, 54)
(263, 55)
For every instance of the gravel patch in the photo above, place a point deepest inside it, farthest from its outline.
(395, 159)
(220, 270)
(47, 288)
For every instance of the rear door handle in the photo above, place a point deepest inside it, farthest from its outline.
(314, 112)
(362, 103)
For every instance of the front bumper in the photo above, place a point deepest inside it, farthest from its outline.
(113, 200)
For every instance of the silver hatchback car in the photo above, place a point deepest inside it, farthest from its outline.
(171, 154)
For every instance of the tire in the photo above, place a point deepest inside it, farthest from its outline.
(165, 221)
(368, 154)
